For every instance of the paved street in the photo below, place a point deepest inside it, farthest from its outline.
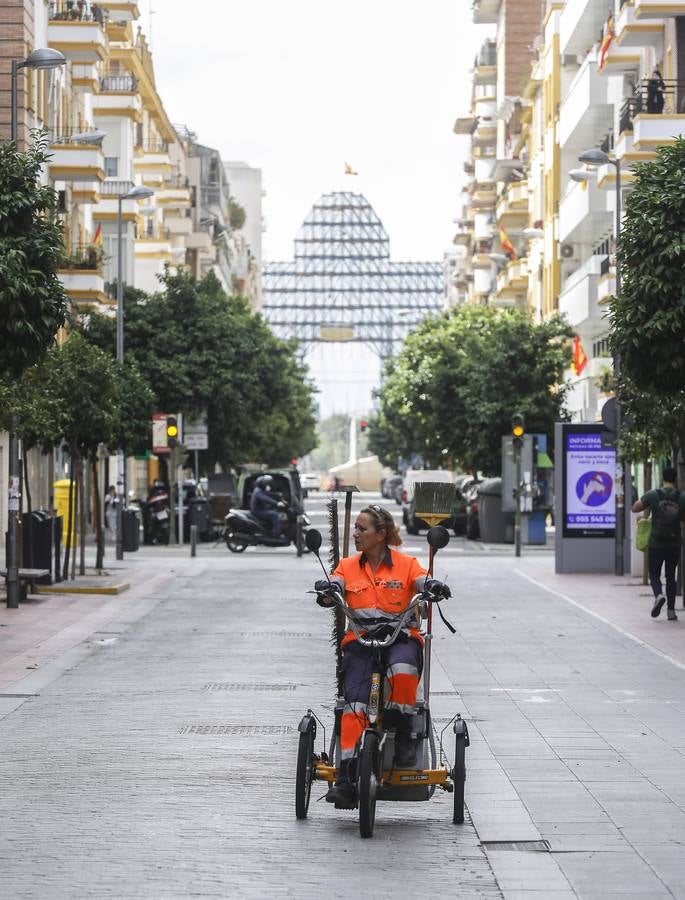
(148, 740)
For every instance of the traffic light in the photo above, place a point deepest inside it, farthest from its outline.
(362, 424)
(171, 432)
(518, 430)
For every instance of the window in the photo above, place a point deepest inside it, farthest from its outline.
(111, 166)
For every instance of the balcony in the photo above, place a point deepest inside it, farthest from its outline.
(606, 285)
(74, 160)
(512, 282)
(485, 134)
(585, 213)
(512, 207)
(82, 276)
(121, 10)
(153, 244)
(652, 121)
(586, 107)
(78, 34)
(107, 207)
(631, 32)
(580, 24)
(178, 225)
(483, 226)
(578, 299)
(482, 281)
(485, 107)
(485, 12)
(652, 9)
(152, 160)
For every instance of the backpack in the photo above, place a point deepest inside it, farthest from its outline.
(666, 517)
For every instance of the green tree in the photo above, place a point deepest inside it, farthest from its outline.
(648, 316)
(33, 304)
(200, 350)
(450, 394)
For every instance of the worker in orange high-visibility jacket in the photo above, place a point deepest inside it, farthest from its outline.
(378, 584)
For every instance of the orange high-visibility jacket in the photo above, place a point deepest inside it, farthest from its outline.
(387, 592)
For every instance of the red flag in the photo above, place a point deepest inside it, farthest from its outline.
(579, 357)
(506, 244)
(607, 38)
(97, 237)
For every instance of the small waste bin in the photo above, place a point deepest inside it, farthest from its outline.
(37, 542)
(130, 537)
(496, 526)
(198, 514)
(62, 506)
(537, 520)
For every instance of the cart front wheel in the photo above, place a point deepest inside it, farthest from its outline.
(305, 771)
(459, 778)
(368, 784)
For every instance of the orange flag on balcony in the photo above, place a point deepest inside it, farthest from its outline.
(579, 357)
(506, 244)
(97, 237)
(607, 38)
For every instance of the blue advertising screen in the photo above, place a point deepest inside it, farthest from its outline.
(589, 488)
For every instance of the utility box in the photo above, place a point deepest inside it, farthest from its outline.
(61, 488)
(496, 524)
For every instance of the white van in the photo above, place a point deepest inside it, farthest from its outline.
(411, 523)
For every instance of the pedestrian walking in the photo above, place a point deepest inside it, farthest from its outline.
(111, 501)
(666, 506)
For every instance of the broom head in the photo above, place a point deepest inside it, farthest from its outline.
(434, 501)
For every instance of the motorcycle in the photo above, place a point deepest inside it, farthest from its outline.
(242, 529)
(157, 517)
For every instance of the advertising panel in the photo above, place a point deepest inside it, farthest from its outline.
(589, 483)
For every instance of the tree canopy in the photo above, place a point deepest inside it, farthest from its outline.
(200, 350)
(33, 304)
(450, 394)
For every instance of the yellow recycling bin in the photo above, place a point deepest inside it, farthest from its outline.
(62, 506)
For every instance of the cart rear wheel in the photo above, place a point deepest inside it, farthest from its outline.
(459, 777)
(305, 772)
(368, 784)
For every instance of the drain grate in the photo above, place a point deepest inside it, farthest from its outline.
(237, 686)
(234, 729)
(529, 846)
(286, 634)
(444, 693)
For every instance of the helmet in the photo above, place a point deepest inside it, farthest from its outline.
(264, 482)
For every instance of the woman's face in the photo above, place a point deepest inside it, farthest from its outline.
(365, 535)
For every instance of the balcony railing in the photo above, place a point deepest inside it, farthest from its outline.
(670, 100)
(154, 146)
(160, 233)
(486, 58)
(87, 257)
(115, 188)
(76, 11)
(127, 84)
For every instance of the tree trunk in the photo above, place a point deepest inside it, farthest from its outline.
(77, 499)
(29, 506)
(70, 520)
(97, 515)
(82, 516)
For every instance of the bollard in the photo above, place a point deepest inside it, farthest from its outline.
(193, 540)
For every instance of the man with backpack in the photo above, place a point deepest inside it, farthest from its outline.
(667, 508)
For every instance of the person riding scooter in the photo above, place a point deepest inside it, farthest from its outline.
(264, 506)
(377, 584)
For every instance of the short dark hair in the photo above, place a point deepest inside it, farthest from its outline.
(669, 474)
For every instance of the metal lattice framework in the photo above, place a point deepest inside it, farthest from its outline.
(342, 284)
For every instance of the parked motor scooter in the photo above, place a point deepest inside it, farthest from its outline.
(156, 520)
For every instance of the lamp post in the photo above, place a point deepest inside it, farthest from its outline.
(596, 157)
(43, 58)
(135, 193)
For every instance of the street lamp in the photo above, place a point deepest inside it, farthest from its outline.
(43, 58)
(138, 192)
(596, 157)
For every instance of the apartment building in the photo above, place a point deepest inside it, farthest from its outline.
(586, 87)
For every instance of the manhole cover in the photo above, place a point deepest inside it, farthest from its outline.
(237, 686)
(530, 846)
(234, 729)
(285, 634)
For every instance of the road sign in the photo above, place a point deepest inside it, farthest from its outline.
(195, 426)
(196, 441)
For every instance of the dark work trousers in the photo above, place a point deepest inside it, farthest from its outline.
(405, 653)
(667, 557)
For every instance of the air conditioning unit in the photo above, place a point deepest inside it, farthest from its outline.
(567, 252)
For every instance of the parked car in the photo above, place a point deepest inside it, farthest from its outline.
(464, 483)
(389, 484)
(411, 478)
(310, 481)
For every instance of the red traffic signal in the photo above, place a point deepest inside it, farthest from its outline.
(363, 424)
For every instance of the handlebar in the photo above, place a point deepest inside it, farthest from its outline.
(356, 624)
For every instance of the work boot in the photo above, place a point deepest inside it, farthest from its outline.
(343, 794)
(671, 615)
(405, 751)
(658, 603)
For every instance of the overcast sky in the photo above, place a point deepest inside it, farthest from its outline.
(298, 88)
